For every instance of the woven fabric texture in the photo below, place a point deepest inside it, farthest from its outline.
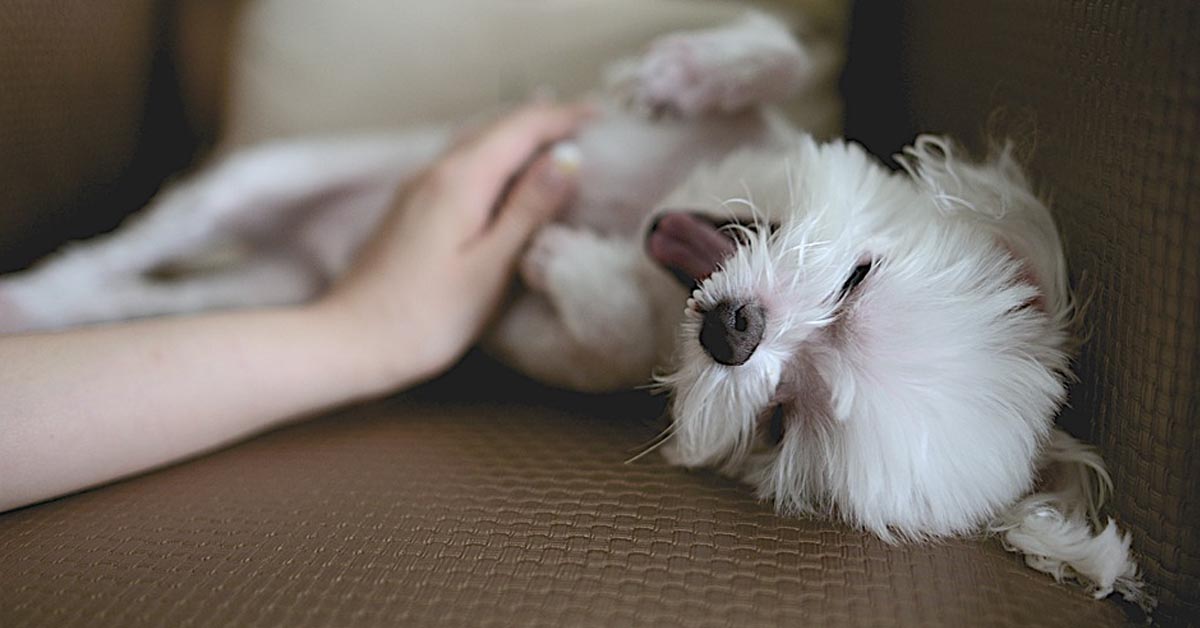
(1104, 96)
(496, 513)
(74, 76)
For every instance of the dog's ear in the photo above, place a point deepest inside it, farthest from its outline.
(996, 195)
(1028, 276)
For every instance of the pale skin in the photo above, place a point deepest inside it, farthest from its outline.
(87, 406)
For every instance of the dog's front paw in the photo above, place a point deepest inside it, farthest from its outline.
(674, 78)
(548, 248)
(721, 70)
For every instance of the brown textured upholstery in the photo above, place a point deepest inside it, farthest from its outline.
(484, 511)
(1105, 96)
(506, 504)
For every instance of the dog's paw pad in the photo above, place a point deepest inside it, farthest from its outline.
(722, 70)
(673, 79)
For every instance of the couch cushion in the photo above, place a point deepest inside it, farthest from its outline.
(485, 510)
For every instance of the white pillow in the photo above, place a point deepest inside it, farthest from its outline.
(315, 66)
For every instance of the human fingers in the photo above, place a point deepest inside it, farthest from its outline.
(486, 165)
(537, 195)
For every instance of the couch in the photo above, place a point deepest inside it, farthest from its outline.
(485, 499)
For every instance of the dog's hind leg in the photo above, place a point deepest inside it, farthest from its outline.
(532, 337)
(265, 280)
(239, 200)
(268, 279)
(243, 191)
(591, 319)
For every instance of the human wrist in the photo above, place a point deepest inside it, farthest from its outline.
(381, 344)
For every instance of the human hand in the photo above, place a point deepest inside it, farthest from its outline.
(423, 289)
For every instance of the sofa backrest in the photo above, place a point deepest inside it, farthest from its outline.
(86, 131)
(1103, 96)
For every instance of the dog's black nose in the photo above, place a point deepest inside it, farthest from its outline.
(732, 330)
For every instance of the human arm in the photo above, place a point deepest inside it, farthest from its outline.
(86, 406)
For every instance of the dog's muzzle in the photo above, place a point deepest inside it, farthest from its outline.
(732, 330)
(692, 247)
(688, 245)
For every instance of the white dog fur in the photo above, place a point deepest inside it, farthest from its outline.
(916, 401)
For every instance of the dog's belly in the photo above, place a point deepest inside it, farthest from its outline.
(631, 163)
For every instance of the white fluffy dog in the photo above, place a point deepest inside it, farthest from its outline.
(887, 348)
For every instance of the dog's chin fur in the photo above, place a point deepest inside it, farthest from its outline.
(920, 404)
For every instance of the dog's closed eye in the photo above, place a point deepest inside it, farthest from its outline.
(857, 276)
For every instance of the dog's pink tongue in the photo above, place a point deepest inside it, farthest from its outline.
(688, 244)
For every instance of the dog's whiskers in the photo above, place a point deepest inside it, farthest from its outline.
(656, 442)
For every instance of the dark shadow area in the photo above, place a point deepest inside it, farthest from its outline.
(166, 144)
(480, 379)
(873, 83)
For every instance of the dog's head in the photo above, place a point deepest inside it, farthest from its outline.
(887, 346)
